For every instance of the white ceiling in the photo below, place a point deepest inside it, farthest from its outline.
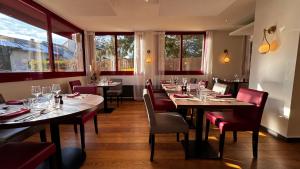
(165, 15)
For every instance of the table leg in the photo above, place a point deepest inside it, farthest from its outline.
(67, 158)
(199, 149)
(106, 109)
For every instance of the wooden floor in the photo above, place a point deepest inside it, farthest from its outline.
(123, 144)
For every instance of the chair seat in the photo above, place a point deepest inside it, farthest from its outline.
(164, 104)
(24, 155)
(80, 119)
(18, 134)
(169, 123)
(230, 121)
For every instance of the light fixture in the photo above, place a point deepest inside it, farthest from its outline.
(148, 57)
(226, 57)
(266, 46)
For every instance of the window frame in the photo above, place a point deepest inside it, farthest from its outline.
(27, 76)
(182, 72)
(117, 72)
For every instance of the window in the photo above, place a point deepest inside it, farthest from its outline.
(37, 44)
(184, 52)
(115, 53)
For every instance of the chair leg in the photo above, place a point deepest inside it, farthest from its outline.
(255, 143)
(150, 138)
(96, 124)
(53, 162)
(43, 136)
(152, 147)
(117, 101)
(177, 137)
(221, 144)
(75, 128)
(207, 130)
(234, 136)
(82, 137)
(186, 140)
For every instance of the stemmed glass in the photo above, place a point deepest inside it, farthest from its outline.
(56, 88)
(36, 91)
(46, 92)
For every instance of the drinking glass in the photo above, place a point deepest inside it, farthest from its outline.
(56, 88)
(36, 91)
(47, 92)
(27, 103)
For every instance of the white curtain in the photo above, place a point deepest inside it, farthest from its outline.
(160, 69)
(90, 51)
(139, 65)
(206, 65)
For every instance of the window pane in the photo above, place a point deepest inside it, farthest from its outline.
(125, 52)
(23, 47)
(105, 52)
(172, 57)
(192, 52)
(67, 48)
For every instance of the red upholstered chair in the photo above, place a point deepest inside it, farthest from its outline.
(26, 155)
(81, 120)
(74, 83)
(158, 93)
(240, 120)
(160, 104)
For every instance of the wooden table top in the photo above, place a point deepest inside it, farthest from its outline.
(209, 103)
(112, 84)
(71, 107)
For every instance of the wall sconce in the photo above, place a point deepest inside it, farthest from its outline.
(226, 57)
(266, 46)
(148, 57)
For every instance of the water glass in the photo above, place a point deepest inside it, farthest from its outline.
(36, 91)
(56, 88)
(27, 103)
(47, 92)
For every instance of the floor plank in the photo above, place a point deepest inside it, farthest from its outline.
(123, 143)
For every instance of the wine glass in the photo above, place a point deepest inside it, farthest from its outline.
(46, 92)
(36, 91)
(56, 88)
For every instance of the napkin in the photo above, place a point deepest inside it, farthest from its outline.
(182, 96)
(14, 114)
(224, 96)
(14, 102)
(73, 95)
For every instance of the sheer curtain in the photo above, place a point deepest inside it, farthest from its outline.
(160, 61)
(139, 65)
(206, 65)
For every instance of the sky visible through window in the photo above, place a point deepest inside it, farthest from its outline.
(14, 28)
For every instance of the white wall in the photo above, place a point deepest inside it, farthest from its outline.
(275, 72)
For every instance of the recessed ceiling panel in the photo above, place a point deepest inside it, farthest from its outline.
(193, 7)
(79, 7)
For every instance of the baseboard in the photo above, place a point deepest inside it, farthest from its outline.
(279, 136)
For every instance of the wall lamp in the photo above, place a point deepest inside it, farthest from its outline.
(266, 46)
(148, 57)
(226, 56)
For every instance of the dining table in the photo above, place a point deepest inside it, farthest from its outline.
(68, 157)
(198, 148)
(105, 86)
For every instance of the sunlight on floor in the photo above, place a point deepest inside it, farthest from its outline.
(233, 165)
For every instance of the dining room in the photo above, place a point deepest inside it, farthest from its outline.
(149, 84)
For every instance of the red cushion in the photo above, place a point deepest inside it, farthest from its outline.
(164, 105)
(24, 155)
(214, 117)
(85, 89)
(74, 83)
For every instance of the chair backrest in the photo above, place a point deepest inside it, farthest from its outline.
(74, 83)
(204, 82)
(149, 108)
(150, 92)
(119, 87)
(193, 80)
(85, 89)
(258, 98)
(220, 88)
(2, 100)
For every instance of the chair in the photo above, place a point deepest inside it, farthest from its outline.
(22, 133)
(164, 123)
(116, 91)
(160, 104)
(26, 155)
(158, 93)
(74, 83)
(240, 120)
(82, 119)
(220, 88)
